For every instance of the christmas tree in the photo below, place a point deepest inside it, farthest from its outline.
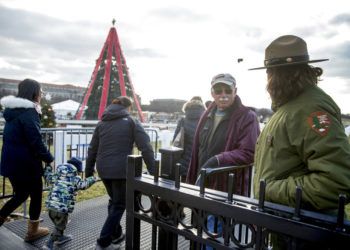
(48, 115)
(109, 80)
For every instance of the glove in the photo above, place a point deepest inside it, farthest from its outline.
(212, 162)
(48, 168)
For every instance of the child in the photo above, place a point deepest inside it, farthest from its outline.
(60, 201)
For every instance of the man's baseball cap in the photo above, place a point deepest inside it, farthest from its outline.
(224, 78)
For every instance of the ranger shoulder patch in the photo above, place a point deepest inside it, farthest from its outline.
(319, 122)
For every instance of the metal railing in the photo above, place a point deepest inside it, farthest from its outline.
(64, 143)
(246, 222)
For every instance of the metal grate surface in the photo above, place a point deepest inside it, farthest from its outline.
(85, 224)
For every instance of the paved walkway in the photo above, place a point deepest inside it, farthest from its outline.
(85, 224)
(10, 240)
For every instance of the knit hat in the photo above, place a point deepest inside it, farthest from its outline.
(76, 162)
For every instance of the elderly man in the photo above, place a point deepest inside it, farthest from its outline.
(226, 135)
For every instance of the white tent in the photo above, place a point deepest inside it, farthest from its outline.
(62, 109)
(347, 130)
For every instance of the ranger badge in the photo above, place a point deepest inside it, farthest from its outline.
(319, 122)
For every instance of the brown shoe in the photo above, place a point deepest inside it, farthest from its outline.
(34, 231)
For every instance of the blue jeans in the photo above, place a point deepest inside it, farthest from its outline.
(211, 226)
(116, 190)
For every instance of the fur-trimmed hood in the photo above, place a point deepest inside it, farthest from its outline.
(193, 109)
(15, 106)
(13, 102)
(192, 104)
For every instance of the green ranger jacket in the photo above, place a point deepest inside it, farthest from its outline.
(304, 144)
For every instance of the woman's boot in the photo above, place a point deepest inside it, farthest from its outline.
(34, 231)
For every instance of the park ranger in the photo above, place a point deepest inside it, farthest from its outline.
(304, 143)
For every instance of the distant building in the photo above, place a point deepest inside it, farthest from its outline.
(346, 120)
(165, 105)
(55, 92)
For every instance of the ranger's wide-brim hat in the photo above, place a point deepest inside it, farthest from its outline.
(287, 50)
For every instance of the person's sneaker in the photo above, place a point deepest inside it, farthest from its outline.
(119, 239)
(110, 247)
(49, 245)
(63, 239)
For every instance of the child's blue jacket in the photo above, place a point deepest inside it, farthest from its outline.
(64, 184)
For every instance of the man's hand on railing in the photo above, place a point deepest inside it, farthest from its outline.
(212, 162)
(210, 171)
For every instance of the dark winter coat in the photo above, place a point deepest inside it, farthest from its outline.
(233, 143)
(113, 141)
(23, 149)
(193, 111)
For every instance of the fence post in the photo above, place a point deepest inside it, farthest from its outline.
(60, 147)
(133, 225)
(170, 157)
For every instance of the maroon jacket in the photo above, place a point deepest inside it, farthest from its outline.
(240, 133)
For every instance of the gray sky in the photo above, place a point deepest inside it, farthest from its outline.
(173, 48)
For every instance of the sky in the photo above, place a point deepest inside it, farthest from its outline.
(173, 48)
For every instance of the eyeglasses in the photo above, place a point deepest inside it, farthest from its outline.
(218, 91)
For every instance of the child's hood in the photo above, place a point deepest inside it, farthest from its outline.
(66, 170)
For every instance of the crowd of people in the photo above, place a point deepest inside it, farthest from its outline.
(303, 144)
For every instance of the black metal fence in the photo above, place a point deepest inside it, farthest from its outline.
(246, 223)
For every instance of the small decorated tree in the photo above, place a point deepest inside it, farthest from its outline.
(48, 115)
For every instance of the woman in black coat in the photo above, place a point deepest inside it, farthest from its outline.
(113, 140)
(22, 154)
(193, 110)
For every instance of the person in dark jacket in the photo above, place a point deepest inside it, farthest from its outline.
(111, 143)
(193, 110)
(225, 136)
(22, 154)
